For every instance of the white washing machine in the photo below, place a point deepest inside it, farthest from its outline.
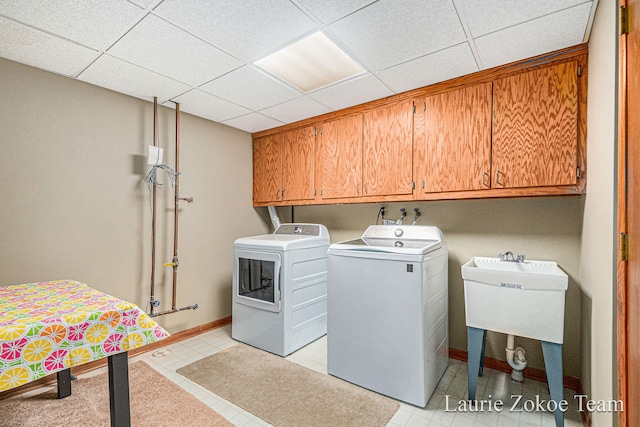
(280, 288)
(388, 311)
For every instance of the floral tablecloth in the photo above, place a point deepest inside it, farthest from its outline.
(47, 327)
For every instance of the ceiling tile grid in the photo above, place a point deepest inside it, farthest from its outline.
(25, 45)
(201, 53)
(158, 45)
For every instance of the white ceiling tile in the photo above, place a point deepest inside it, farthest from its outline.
(144, 3)
(250, 88)
(254, 122)
(486, 16)
(546, 34)
(436, 67)
(380, 39)
(93, 23)
(352, 92)
(247, 29)
(296, 109)
(208, 106)
(157, 45)
(330, 10)
(168, 48)
(23, 44)
(118, 75)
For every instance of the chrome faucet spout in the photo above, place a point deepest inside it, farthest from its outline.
(508, 256)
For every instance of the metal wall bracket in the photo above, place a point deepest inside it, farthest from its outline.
(624, 247)
(624, 20)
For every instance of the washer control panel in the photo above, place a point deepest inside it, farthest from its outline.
(299, 229)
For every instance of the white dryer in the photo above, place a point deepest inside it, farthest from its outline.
(280, 288)
(388, 311)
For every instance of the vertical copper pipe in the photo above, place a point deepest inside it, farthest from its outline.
(175, 211)
(153, 209)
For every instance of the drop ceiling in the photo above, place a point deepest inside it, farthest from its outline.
(201, 53)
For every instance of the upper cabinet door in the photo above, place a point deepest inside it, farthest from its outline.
(340, 157)
(298, 164)
(452, 144)
(535, 128)
(267, 169)
(388, 150)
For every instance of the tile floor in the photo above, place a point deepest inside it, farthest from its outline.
(314, 356)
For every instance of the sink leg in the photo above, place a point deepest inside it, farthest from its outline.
(553, 364)
(475, 359)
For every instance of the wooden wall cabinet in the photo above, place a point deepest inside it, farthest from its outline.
(298, 164)
(511, 131)
(452, 140)
(340, 158)
(535, 128)
(267, 169)
(283, 167)
(387, 165)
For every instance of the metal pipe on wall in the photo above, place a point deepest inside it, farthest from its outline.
(176, 197)
(153, 211)
(175, 263)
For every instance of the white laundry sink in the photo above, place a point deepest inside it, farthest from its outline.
(518, 298)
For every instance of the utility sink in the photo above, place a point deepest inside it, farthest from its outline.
(517, 275)
(518, 298)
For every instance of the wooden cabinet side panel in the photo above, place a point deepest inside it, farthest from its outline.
(298, 162)
(388, 150)
(267, 168)
(340, 148)
(535, 127)
(457, 140)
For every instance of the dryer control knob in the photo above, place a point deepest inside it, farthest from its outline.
(399, 232)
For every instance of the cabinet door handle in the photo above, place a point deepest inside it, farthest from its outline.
(357, 188)
(484, 181)
(498, 178)
(365, 188)
(283, 194)
(277, 194)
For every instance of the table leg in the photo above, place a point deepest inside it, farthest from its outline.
(119, 390)
(552, 353)
(475, 353)
(64, 383)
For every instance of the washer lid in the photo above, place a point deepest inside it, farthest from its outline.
(289, 236)
(404, 239)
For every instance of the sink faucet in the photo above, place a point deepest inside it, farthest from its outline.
(508, 256)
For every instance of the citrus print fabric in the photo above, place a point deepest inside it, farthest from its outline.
(47, 327)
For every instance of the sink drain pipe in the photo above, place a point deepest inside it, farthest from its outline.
(516, 359)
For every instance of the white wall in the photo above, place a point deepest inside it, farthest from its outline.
(74, 204)
(597, 263)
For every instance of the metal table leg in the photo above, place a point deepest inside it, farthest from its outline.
(119, 390)
(475, 352)
(552, 353)
(64, 383)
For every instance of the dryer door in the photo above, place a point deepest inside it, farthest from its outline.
(256, 279)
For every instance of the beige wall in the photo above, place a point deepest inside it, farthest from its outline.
(74, 204)
(540, 228)
(597, 266)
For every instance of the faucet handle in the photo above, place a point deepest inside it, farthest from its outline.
(521, 258)
(503, 257)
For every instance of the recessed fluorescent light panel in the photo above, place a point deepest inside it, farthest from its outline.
(311, 63)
